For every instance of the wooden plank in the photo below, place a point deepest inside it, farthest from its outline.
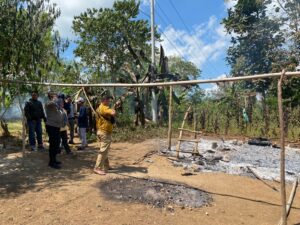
(191, 131)
(282, 152)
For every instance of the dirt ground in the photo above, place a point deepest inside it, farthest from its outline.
(31, 193)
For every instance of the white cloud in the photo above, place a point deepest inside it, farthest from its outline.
(206, 42)
(213, 89)
(230, 3)
(71, 8)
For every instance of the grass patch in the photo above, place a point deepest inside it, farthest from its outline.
(137, 134)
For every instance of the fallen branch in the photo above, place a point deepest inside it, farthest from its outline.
(144, 157)
(259, 178)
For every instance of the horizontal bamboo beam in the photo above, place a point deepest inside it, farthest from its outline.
(191, 131)
(173, 83)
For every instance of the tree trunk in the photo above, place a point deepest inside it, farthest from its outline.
(4, 127)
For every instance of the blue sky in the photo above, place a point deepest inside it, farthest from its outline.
(200, 38)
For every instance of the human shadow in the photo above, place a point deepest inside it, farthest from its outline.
(19, 175)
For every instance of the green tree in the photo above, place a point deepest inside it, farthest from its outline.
(114, 44)
(256, 44)
(26, 42)
(111, 38)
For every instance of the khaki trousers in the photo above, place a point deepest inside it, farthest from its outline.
(104, 139)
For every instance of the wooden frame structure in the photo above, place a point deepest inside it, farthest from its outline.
(281, 75)
(182, 130)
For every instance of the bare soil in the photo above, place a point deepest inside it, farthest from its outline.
(31, 193)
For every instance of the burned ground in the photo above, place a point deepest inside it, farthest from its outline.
(158, 193)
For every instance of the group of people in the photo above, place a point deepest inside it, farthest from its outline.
(59, 115)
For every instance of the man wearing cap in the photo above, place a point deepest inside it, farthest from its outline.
(82, 123)
(34, 114)
(105, 121)
(68, 106)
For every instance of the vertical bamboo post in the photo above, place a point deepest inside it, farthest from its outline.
(23, 124)
(195, 124)
(170, 117)
(195, 151)
(181, 131)
(282, 153)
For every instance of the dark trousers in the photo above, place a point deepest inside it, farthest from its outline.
(72, 128)
(64, 140)
(54, 142)
(35, 127)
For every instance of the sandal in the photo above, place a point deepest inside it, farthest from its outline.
(99, 172)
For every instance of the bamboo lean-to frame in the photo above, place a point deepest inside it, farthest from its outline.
(178, 83)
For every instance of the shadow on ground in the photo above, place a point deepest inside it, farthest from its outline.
(19, 175)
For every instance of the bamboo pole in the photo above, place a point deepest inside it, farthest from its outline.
(23, 124)
(181, 131)
(191, 131)
(87, 98)
(291, 199)
(170, 118)
(259, 178)
(160, 84)
(282, 153)
(195, 124)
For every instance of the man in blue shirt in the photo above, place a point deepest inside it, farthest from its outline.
(82, 123)
(71, 118)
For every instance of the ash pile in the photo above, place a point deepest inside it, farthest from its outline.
(159, 194)
(236, 157)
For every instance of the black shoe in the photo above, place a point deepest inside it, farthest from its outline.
(54, 166)
(58, 163)
(41, 148)
(80, 148)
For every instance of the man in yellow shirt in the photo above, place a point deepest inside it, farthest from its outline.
(104, 123)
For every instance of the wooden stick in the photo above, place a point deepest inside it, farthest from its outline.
(170, 118)
(173, 83)
(191, 131)
(189, 140)
(148, 154)
(291, 199)
(195, 124)
(282, 153)
(23, 124)
(259, 178)
(180, 133)
(87, 98)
